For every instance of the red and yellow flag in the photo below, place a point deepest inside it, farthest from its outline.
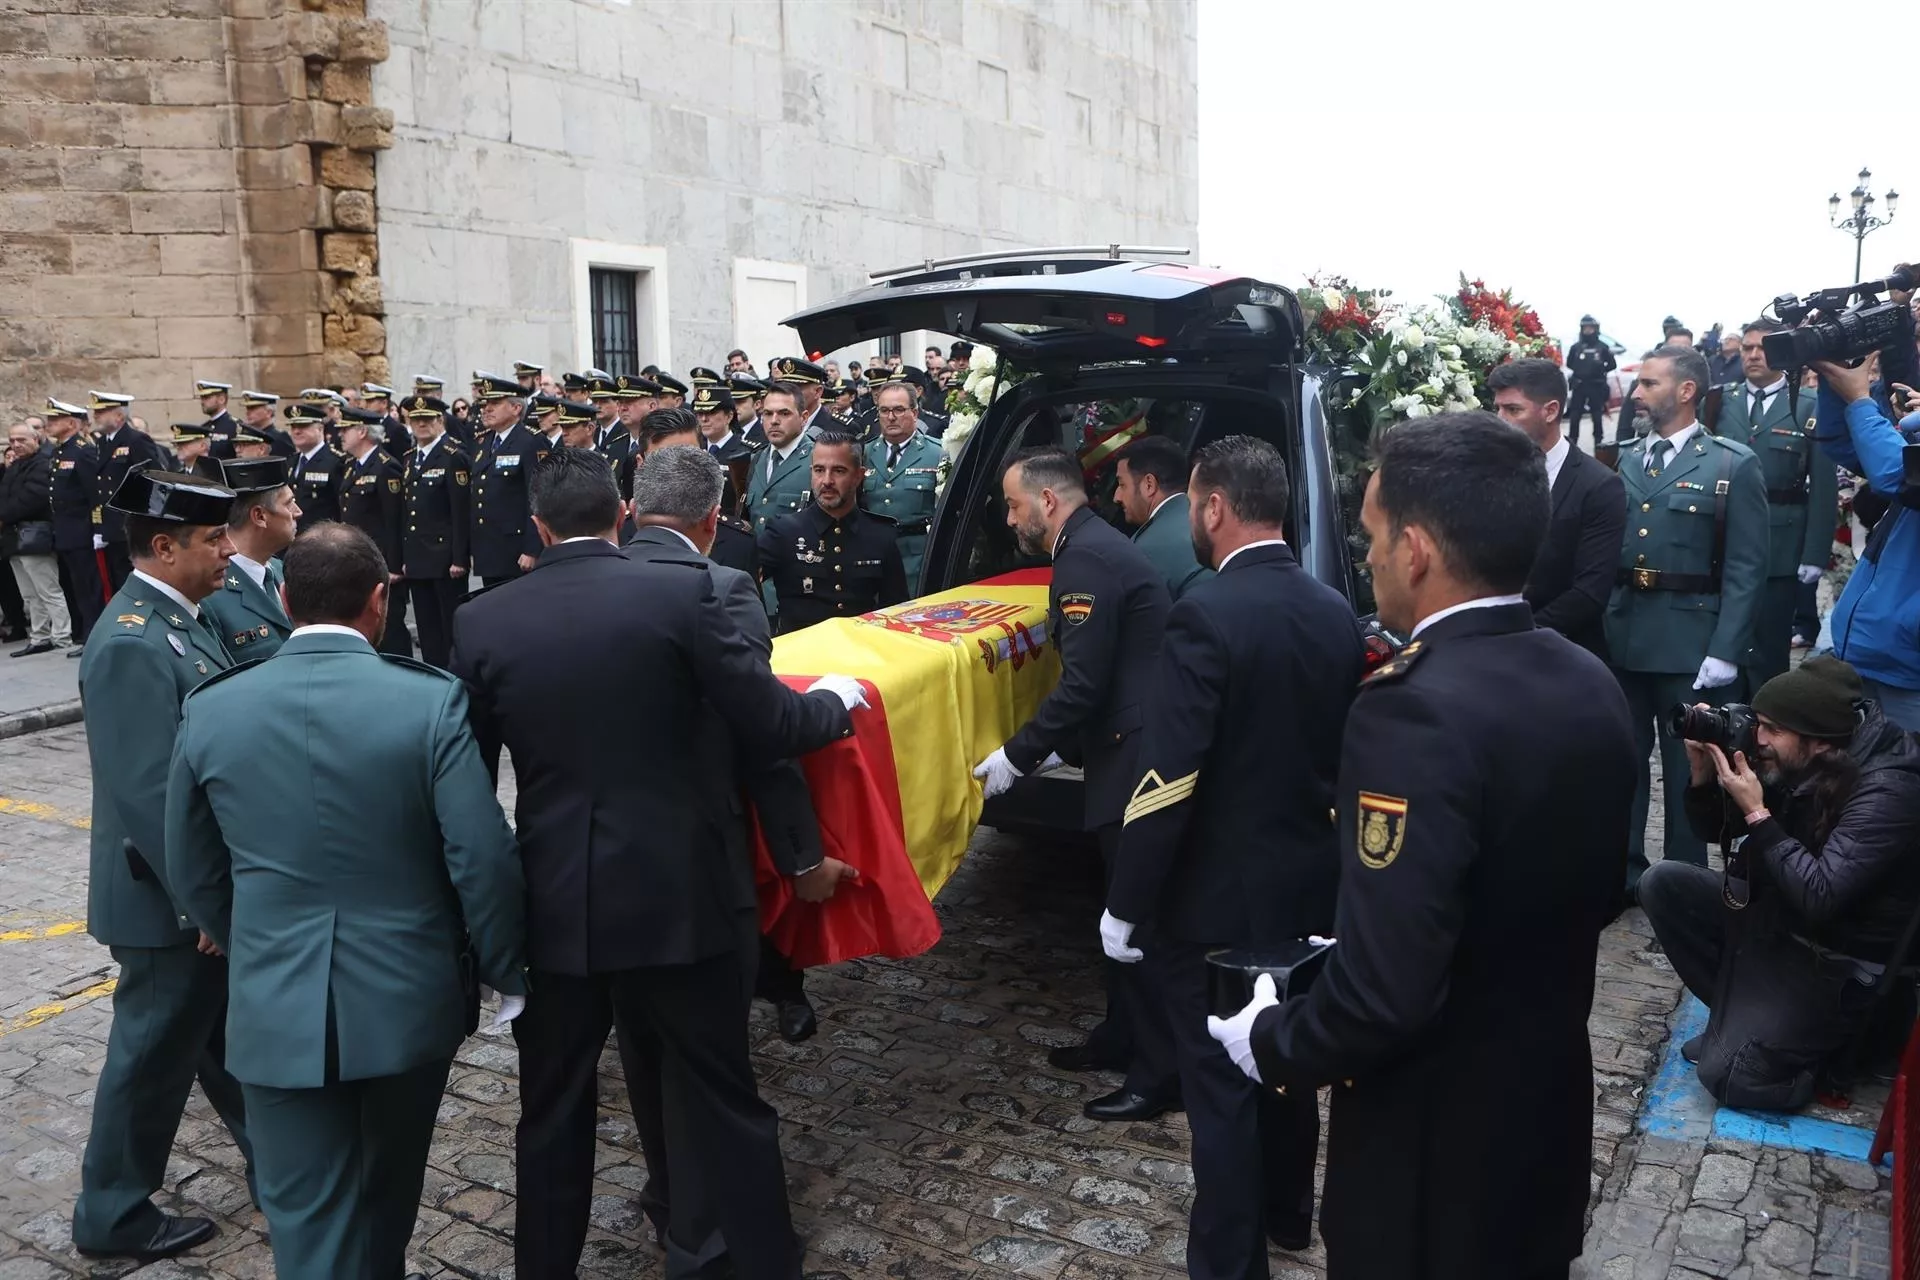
(949, 677)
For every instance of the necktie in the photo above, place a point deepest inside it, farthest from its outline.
(893, 456)
(1657, 456)
(714, 449)
(206, 625)
(1759, 407)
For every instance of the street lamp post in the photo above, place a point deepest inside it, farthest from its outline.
(1861, 221)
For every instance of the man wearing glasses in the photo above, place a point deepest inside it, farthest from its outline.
(903, 470)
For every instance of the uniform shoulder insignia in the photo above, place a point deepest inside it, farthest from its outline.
(400, 660)
(223, 674)
(1732, 445)
(736, 523)
(132, 619)
(1394, 667)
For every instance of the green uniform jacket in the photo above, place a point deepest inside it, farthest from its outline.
(1803, 491)
(905, 494)
(788, 490)
(1167, 540)
(1670, 529)
(144, 656)
(249, 617)
(332, 827)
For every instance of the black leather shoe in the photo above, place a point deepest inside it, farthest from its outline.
(1122, 1105)
(38, 646)
(1083, 1057)
(174, 1235)
(1291, 1234)
(1691, 1049)
(797, 1021)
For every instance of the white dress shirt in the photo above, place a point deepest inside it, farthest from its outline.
(1556, 458)
(1264, 542)
(193, 610)
(252, 568)
(1678, 440)
(1484, 602)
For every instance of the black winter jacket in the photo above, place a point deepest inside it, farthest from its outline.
(1855, 893)
(24, 492)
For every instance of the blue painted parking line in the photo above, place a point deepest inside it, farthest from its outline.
(1676, 1106)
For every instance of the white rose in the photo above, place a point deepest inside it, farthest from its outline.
(985, 391)
(1463, 386)
(983, 358)
(1418, 410)
(1451, 351)
(1331, 299)
(1414, 337)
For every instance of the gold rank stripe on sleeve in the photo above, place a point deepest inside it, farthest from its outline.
(1154, 794)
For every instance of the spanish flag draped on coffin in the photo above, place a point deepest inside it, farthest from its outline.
(948, 677)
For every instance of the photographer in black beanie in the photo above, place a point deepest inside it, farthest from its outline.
(1786, 947)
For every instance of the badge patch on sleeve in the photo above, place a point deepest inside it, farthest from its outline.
(1382, 827)
(1076, 607)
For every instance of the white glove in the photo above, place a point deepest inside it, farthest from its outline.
(1052, 762)
(997, 771)
(845, 688)
(1810, 573)
(1235, 1034)
(511, 1007)
(1115, 938)
(1715, 673)
(99, 543)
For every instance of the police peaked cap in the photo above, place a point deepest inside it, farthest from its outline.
(491, 386)
(631, 386)
(794, 369)
(424, 407)
(700, 375)
(574, 413)
(708, 398)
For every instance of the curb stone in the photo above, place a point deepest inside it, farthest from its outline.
(34, 719)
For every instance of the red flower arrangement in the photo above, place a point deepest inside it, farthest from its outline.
(1475, 304)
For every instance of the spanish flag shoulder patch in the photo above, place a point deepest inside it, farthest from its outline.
(1076, 607)
(1155, 793)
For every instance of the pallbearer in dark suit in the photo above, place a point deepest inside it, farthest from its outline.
(122, 450)
(504, 541)
(1572, 577)
(319, 470)
(151, 648)
(247, 609)
(1107, 609)
(733, 544)
(371, 501)
(74, 490)
(439, 492)
(345, 937)
(634, 907)
(1254, 680)
(1802, 495)
(1485, 732)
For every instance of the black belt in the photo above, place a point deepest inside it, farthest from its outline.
(914, 526)
(1787, 497)
(1656, 580)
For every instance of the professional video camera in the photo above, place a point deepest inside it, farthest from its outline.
(1826, 327)
(1731, 728)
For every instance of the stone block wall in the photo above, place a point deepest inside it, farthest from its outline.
(187, 191)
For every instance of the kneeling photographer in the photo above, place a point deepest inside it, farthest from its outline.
(1784, 947)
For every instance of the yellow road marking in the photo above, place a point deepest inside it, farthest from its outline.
(60, 930)
(44, 813)
(47, 1012)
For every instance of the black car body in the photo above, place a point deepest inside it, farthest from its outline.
(1195, 354)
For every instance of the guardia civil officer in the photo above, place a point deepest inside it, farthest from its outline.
(347, 936)
(434, 552)
(371, 501)
(1254, 679)
(830, 559)
(1802, 494)
(74, 491)
(247, 610)
(213, 398)
(903, 475)
(319, 470)
(1692, 572)
(503, 538)
(122, 450)
(1107, 608)
(151, 647)
(811, 382)
(1483, 734)
(1150, 484)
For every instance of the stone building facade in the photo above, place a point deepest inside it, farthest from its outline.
(287, 193)
(187, 191)
(736, 159)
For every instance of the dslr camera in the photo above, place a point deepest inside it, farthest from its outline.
(1731, 728)
(1845, 325)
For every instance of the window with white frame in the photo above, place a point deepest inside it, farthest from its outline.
(620, 306)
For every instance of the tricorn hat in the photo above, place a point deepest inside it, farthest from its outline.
(172, 496)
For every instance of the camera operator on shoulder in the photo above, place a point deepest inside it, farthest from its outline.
(1784, 949)
(1878, 614)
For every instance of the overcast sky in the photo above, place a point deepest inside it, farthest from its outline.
(1611, 156)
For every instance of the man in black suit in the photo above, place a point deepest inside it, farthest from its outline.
(633, 911)
(1484, 737)
(1107, 608)
(1256, 673)
(1572, 577)
(733, 544)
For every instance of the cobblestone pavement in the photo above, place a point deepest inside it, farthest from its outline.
(925, 1135)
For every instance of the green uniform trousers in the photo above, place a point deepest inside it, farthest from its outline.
(169, 1019)
(1650, 696)
(1772, 650)
(341, 1168)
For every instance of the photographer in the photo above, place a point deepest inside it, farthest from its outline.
(1782, 949)
(1876, 618)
